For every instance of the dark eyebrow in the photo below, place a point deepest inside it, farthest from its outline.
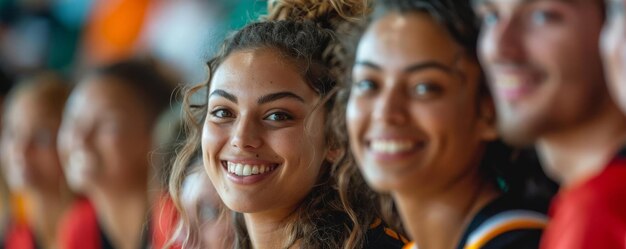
(428, 65)
(476, 3)
(279, 95)
(224, 94)
(367, 64)
(412, 68)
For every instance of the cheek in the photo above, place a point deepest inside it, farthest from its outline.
(213, 140)
(486, 46)
(356, 116)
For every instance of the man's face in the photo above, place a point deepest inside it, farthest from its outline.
(542, 61)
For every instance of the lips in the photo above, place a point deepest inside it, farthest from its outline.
(388, 146)
(515, 84)
(386, 149)
(248, 172)
(242, 169)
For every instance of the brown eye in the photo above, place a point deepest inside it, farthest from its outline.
(222, 113)
(279, 116)
(425, 89)
(543, 17)
(364, 85)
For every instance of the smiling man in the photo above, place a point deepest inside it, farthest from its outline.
(543, 65)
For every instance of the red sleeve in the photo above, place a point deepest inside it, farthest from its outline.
(590, 216)
(78, 228)
(164, 221)
(19, 236)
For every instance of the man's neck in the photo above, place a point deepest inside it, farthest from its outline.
(574, 155)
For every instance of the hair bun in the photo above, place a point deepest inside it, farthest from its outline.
(326, 13)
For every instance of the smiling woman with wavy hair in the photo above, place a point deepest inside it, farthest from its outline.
(263, 127)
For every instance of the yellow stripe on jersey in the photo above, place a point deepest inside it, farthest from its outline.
(505, 222)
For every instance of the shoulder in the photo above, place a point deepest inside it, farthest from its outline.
(589, 215)
(516, 228)
(19, 235)
(596, 196)
(380, 236)
(79, 226)
(505, 223)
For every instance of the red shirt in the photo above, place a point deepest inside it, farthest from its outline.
(591, 214)
(19, 236)
(163, 223)
(79, 227)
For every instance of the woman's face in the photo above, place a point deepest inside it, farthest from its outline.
(613, 48)
(105, 136)
(29, 135)
(413, 116)
(263, 139)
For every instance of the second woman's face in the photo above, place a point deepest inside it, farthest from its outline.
(613, 48)
(263, 139)
(29, 136)
(105, 136)
(414, 116)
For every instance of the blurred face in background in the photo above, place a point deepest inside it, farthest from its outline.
(263, 140)
(414, 116)
(614, 51)
(105, 136)
(542, 62)
(29, 136)
(203, 206)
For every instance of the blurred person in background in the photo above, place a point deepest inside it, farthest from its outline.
(204, 207)
(544, 68)
(421, 127)
(105, 142)
(6, 83)
(32, 117)
(613, 48)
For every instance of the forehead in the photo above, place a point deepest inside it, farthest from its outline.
(258, 71)
(397, 39)
(27, 107)
(512, 4)
(103, 94)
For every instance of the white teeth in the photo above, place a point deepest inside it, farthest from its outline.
(239, 169)
(508, 81)
(391, 147)
(246, 169)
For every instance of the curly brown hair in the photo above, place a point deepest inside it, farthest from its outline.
(306, 33)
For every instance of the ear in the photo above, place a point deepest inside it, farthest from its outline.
(487, 127)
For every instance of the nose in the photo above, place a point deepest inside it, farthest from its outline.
(75, 137)
(502, 41)
(245, 135)
(391, 107)
(23, 150)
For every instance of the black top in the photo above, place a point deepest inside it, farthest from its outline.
(518, 238)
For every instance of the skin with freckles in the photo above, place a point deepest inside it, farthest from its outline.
(261, 113)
